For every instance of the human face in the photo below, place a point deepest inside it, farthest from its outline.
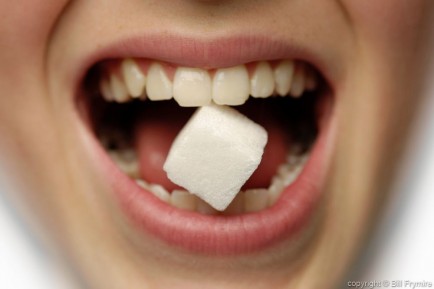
(366, 56)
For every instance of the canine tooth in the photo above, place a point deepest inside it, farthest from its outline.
(203, 208)
(120, 93)
(231, 85)
(283, 75)
(192, 87)
(158, 86)
(134, 78)
(106, 90)
(255, 200)
(298, 81)
(183, 200)
(159, 192)
(262, 81)
(275, 190)
(236, 207)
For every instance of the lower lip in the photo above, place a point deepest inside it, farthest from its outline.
(225, 235)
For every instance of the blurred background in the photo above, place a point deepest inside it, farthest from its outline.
(403, 244)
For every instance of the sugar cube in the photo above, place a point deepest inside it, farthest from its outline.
(215, 154)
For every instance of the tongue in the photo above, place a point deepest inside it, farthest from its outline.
(155, 133)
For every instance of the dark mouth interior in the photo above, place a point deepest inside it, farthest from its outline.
(112, 122)
(115, 125)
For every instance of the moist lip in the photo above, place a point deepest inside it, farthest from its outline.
(225, 234)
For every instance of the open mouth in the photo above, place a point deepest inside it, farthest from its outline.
(135, 108)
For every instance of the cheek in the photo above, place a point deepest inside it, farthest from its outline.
(27, 24)
(384, 87)
(25, 28)
(389, 23)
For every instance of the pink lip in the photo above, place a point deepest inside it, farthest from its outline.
(219, 235)
(211, 53)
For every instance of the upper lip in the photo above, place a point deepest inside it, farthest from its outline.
(208, 53)
(203, 233)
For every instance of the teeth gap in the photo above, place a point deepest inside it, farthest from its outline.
(112, 116)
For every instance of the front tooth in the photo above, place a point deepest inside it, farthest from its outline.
(262, 81)
(106, 90)
(236, 207)
(283, 75)
(255, 200)
(183, 200)
(298, 81)
(231, 85)
(159, 86)
(120, 93)
(203, 208)
(134, 78)
(192, 87)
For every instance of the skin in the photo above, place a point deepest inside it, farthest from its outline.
(377, 46)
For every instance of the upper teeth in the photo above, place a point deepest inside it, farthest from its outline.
(198, 87)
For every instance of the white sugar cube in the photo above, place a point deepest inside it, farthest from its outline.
(215, 154)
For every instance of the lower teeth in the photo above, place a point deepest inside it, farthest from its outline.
(250, 200)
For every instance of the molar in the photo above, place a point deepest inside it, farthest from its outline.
(126, 160)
